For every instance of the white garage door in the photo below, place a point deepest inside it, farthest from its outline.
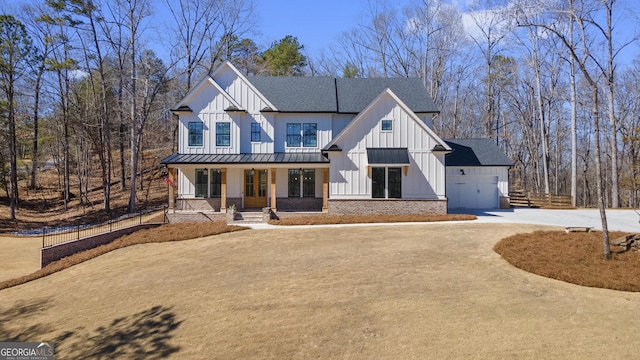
(472, 192)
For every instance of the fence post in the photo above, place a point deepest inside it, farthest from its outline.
(44, 231)
(78, 226)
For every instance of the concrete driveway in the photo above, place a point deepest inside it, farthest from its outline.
(617, 219)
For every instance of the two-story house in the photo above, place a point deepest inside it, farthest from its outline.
(341, 146)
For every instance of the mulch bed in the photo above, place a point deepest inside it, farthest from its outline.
(369, 219)
(575, 257)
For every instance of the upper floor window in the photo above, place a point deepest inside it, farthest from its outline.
(255, 132)
(293, 135)
(387, 125)
(302, 135)
(309, 135)
(195, 134)
(223, 134)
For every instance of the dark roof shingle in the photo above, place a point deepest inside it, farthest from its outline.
(475, 152)
(336, 95)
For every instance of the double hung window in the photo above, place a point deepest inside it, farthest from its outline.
(305, 135)
(223, 134)
(195, 135)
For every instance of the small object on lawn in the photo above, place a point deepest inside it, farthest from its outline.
(628, 242)
(569, 229)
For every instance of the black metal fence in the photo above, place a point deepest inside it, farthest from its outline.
(61, 234)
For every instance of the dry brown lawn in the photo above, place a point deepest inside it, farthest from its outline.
(19, 256)
(388, 292)
(164, 233)
(574, 257)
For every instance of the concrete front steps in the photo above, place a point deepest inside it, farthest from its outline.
(248, 217)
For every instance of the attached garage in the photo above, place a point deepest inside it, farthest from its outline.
(472, 192)
(477, 175)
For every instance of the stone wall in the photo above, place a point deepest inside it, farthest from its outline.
(299, 204)
(386, 206)
(56, 252)
(205, 204)
(182, 217)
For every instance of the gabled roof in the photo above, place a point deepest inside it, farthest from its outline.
(362, 114)
(335, 95)
(475, 152)
(229, 67)
(207, 80)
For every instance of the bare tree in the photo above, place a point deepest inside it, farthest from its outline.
(16, 51)
(489, 31)
(582, 54)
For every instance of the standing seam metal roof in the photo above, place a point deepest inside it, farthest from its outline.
(284, 158)
(398, 156)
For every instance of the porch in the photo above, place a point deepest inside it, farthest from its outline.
(279, 182)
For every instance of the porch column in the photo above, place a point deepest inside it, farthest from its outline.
(223, 189)
(172, 196)
(325, 190)
(273, 189)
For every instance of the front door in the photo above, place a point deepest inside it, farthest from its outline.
(255, 188)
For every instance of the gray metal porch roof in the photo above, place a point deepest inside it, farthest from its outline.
(399, 156)
(281, 158)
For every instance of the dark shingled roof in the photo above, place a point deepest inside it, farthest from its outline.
(355, 94)
(298, 93)
(335, 95)
(285, 158)
(475, 152)
(398, 156)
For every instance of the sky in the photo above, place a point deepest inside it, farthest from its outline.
(316, 23)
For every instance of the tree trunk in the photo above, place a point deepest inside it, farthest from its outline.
(134, 125)
(13, 154)
(599, 187)
(574, 130)
(34, 150)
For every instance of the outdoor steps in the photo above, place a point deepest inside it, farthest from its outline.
(247, 217)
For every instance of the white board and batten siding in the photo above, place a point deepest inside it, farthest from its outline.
(479, 188)
(207, 105)
(349, 178)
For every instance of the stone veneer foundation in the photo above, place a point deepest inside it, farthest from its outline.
(386, 206)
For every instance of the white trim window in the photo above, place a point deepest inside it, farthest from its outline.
(386, 125)
(223, 133)
(305, 135)
(195, 133)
